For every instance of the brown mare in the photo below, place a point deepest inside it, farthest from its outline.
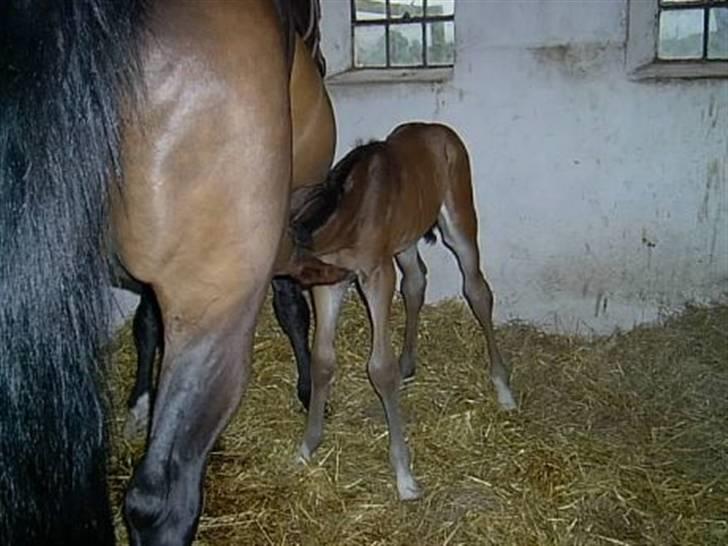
(187, 115)
(208, 178)
(314, 142)
(379, 201)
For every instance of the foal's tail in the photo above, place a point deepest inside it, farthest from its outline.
(66, 68)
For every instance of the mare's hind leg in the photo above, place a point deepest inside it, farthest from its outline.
(413, 285)
(327, 303)
(147, 332)
(291, 310)
(378, 289)
(458, 224)
(204, 370)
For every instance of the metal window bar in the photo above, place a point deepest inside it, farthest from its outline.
(386, 22)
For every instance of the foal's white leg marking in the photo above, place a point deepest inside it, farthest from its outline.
(383, 368)
(137, 420)
(327, 303)
(479, 297)
(504, 393)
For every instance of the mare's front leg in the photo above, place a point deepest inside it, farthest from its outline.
(291, 310)
(378, 289)
(147, 333)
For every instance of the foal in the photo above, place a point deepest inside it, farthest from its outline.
(374, 207)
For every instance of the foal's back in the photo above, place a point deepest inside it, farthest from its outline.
(392, 192)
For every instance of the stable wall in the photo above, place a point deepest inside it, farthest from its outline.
(602, 201)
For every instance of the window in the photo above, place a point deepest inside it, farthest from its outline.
(678, 38)
(403, 33)
(692, 29)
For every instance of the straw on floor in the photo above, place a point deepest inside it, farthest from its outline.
(618, 440)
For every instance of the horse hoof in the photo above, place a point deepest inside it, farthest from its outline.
(506, 401)
(505, 395)
(303, 457)
(409, 490)
(138, 419)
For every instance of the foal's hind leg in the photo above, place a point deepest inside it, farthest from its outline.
(147, 332)
(378, 289)
(327, 302)
(458, 224)
(414, 282)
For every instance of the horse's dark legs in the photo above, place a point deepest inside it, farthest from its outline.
(458, 225)
(378, 289)
(291, 310)
(413, 285)
(201, 382)
(147, 332)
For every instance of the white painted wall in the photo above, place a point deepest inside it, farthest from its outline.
(602, 201)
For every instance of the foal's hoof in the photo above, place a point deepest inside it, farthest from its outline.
(137, 420)
(303, 457)
(409, 490)
(505, 398)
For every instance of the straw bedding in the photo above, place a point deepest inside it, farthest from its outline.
(619, 440)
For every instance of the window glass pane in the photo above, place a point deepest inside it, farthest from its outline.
(404, 9)
(440, 42)
(681, 34)
(718, 34)
(440, 7)
(405, 45)
(370, 9)
(369, 46)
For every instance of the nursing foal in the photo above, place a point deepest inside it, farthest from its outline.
(374, 207)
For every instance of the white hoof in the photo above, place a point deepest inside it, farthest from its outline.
(505, 396)
(408, 489)
(138, 419)
(303, 457)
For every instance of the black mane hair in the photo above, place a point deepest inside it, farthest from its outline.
(66, 69)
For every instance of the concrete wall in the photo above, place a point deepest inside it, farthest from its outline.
(602, 200)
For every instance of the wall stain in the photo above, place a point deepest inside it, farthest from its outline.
(573, 60)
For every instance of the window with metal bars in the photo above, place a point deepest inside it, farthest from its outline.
(693, 30)
(403, 33)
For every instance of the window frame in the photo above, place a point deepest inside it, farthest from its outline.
(388, 21)
(350, 74)
(642, 47)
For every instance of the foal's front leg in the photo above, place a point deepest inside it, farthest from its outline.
(378, 288)
(327, 303)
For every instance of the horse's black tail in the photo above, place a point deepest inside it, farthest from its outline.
(66, 68)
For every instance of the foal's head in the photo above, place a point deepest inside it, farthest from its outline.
(313, 206)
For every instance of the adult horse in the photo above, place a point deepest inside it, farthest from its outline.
(190, 102)
(314, 141)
